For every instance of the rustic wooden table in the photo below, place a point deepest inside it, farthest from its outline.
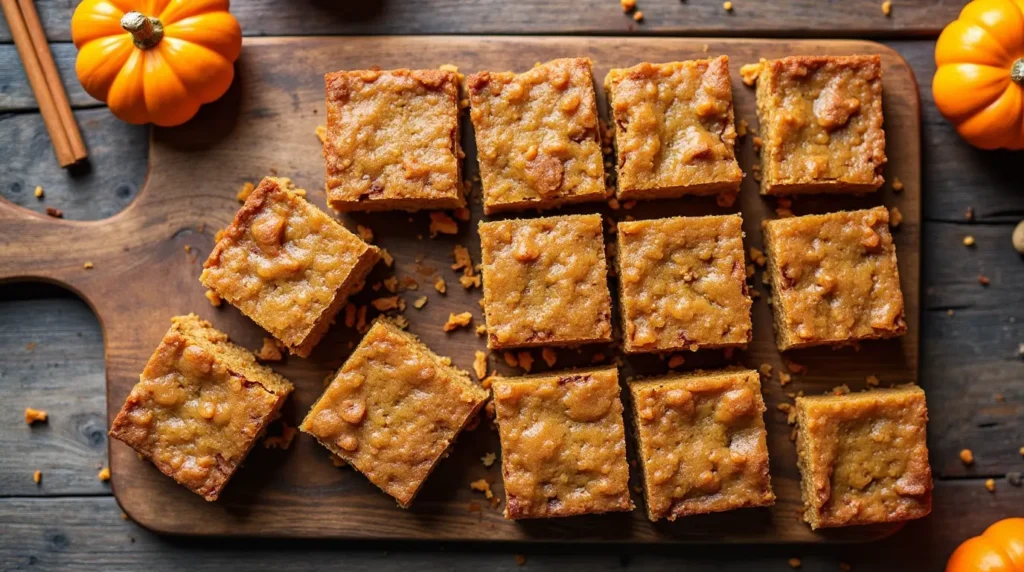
(51, 347)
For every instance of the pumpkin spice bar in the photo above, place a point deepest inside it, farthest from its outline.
(393, 410)
(563, 447)
(537, 136)
(392, 140)
(834, 278)
(863, 457)
(683, 284)
(821, 124)
(545, 282)
(674, 130)
(701, 442)
(287, 265)
(199, 406)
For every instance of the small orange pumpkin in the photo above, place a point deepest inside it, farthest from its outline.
(979, 83)
(155, 61)
(999, 549)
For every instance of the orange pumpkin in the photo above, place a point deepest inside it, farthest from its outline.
(155, 61)
(999, 549)
(979, 83)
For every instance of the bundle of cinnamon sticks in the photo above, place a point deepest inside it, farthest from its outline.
(30, 39)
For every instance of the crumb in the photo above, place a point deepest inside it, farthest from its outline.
(469, 282)
(38, 192)
(967, 457)
(765, 369)
(872, 380)
(489, 407)
(483, 486)
(950, 312)
(37, 477)
(271, 351)
(840, 390)
(510, 359)
(549, 356)
(321, 133)
(214, 298)
(727, 6)
(364, 233)
(361, 325)
(282, 441)
(790, 412)
(895, 217)
(440, 285)
(757, 255)
(887, 7)
(794, 367)
(441, 223)
(463, 214)
(244, 192)
(389, 260)
(983, 280)
(968, 240)
(525, 361)
(88, 265)
(34, 415)
(1021, 451)
(55, 213)
(758, 143)
(749, 73)
(456, 321)
(638, 16)
(784, 378)
(741, 128)
(724, 200)
(520, 560)
(990, 485)
(350, 315)
(628, 205)
(969, 214)
(385, 304)
(390, 284)
(449, 68)
(627, 5)
(480, 364)
(188, 248)
(30, 346)
(676, 361)
(462, 259)
(897, 184)
(488, 459)
(418, 303)
(481, 330)
(401, 322)
(794, 563)
(104, 474)
(613, 204)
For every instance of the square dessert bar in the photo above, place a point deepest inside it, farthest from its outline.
(287, 265)
(835, 279)
(545, 282)
(563, 444)
(701, 442)
(674, 131)
(199, 406)
(393, 410)
(821, 124)
(683, 284)
(863, 457)
(537, 136)
(392, 140)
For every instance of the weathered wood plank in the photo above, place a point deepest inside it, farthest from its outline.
(51, 358)
(101, 187)
(848, 18)
(88, 534)
(15, 92)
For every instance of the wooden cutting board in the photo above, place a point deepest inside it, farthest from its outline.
(147, 259)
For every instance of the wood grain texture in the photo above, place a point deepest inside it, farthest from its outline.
(143, 275)
(15, 92)
(849, 18)
(88, 534)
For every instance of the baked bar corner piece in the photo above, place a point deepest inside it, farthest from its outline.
(563, 448)
(199, 407)
(835, 279)
(702, 443)
(392, 140)
(683, 284)
(393, 410)
(674, 129)
(537, 136)
(863, 457)
(545, 282)
(287, 265)
(821, 124)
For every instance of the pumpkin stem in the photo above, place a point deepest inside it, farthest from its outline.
(1017, 71)
(146, 32)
